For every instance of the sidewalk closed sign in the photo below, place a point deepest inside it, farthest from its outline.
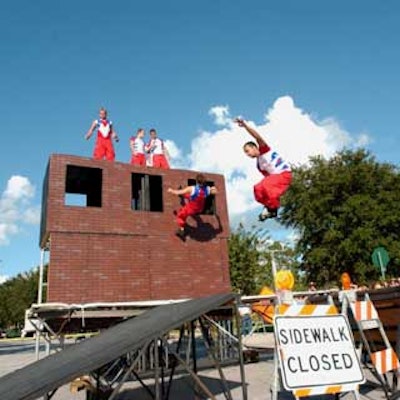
(316, 351)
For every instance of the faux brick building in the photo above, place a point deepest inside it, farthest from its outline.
(109, 228)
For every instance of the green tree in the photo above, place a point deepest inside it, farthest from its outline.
(244, 258)
(286, 258)
(250, 252)
(343, 208)
(16, 295)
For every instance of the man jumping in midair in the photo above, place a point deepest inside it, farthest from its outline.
(277, 173)
(195, 198)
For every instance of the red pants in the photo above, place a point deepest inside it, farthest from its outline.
(160, 161)
(271, 188)
(104, 148)
(138, 159)
(186, 211)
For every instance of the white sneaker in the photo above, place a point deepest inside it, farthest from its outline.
(267, 213)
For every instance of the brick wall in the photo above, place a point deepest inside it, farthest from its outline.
(114, 253)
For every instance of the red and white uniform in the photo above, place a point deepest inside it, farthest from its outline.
(269, 162)
(138, 151)
(195, 205)
(104, 127)
(277, 178)
(157, 153)
(104, 147)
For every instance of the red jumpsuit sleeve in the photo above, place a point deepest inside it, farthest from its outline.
(264, 149)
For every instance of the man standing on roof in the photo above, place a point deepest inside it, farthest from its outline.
(158, 153)
(277, 173)
(195, 197)
(105, 133)
(137, 148)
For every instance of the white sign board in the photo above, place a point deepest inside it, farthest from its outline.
(316, 351)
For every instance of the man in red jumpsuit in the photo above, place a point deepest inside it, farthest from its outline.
(158, 153)
(195, 197)
(105, 133)
(138, 148)
(277, 173)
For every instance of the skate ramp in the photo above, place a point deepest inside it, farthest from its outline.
(48, 374)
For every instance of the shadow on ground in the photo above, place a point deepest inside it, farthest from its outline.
(182, 388)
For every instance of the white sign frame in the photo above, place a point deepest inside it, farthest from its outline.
(316, 351)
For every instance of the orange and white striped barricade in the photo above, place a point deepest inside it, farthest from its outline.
(383, 360)
(365, 314)
(316, 351)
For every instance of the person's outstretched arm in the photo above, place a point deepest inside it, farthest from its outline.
(180, 192)
(242, 123)
(91, 130)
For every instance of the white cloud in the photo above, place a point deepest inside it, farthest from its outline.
(3, 278)
(362, 140)
(18, 188)
(220, 114)
(294, 133)
(16, 207)
(32, 215)
(6, 230)
(175, 154)
(297, 135)
(173, 149)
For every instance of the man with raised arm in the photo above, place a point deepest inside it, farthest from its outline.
(277, 172)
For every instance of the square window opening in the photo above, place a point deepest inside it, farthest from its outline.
(83, 186)
(209, 206)
(147, 193)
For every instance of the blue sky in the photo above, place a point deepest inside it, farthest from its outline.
(311, 75)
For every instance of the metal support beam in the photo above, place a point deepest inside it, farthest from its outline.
(157, 370)
(171, 375)
(238, 322)
(193, 343)
(217, 364)
(40, 284)
(129, 371)
(194, 376)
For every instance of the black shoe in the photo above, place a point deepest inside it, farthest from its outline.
(181, 234)
(268, 213)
